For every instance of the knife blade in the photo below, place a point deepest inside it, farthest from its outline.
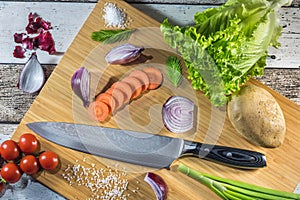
(141, 148)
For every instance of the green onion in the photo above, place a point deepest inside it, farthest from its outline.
(233, 190)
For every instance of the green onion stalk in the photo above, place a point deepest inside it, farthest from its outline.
(236, 190)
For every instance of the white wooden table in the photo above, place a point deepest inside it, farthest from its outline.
(282, 73)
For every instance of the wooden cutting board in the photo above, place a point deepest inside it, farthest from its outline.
(56, 102)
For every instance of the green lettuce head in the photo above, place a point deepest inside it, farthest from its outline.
(227, 45)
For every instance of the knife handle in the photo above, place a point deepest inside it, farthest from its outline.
(233, 157)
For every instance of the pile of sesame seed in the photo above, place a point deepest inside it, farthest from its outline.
(104, 183)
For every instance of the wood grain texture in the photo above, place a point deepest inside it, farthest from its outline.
(15, 103)
(66, 26)
(57, 103)
(207, 2)
(66, 19)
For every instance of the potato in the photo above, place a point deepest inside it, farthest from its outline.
(257, 116)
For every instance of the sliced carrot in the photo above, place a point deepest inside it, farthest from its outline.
(112, 86)
(142, 76)
(118, 95)
(135, 84)
(125, 88)
(108, 99)
(111, 89)
(99, 110)
(155, 77)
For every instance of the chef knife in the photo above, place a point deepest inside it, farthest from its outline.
(141, 148)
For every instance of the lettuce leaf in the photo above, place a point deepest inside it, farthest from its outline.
(227, 45)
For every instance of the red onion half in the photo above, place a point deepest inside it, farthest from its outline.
(178, 114)
(123, 54)
(158, 185)
(81, 85)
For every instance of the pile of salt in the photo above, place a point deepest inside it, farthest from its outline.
(114, 16)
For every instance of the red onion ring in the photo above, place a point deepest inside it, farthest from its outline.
(178, 114)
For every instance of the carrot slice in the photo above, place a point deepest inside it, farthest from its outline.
(142, 76)
(125, 88)
(118, 95)
(108, 99)
(135, 84)
(155, 77)
(99, 110)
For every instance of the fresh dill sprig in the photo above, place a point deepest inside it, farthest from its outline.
(112, 36)
(174, 70)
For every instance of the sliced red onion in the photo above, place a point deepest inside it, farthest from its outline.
(32, 76)
(178, 114)
(45, 42)
(19, 37)
(158, 185)
(36, 24)
(19, 52)
(28, 43)
(123, 54)
(81, 85)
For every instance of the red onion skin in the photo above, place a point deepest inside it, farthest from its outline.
(158, 185)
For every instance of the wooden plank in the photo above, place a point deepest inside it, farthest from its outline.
(6, 131)
(13, 102)
(41, 192)
(65, 28)
(56, 103)
(66, 19)
(295, 3)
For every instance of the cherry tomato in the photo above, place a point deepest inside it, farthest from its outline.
(29, 164)
(9, 150)
(11, 173)
(28, 143)
(48, 160)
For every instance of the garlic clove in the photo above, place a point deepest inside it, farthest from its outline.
(32, 76)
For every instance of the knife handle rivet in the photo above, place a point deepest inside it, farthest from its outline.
(229, 155)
